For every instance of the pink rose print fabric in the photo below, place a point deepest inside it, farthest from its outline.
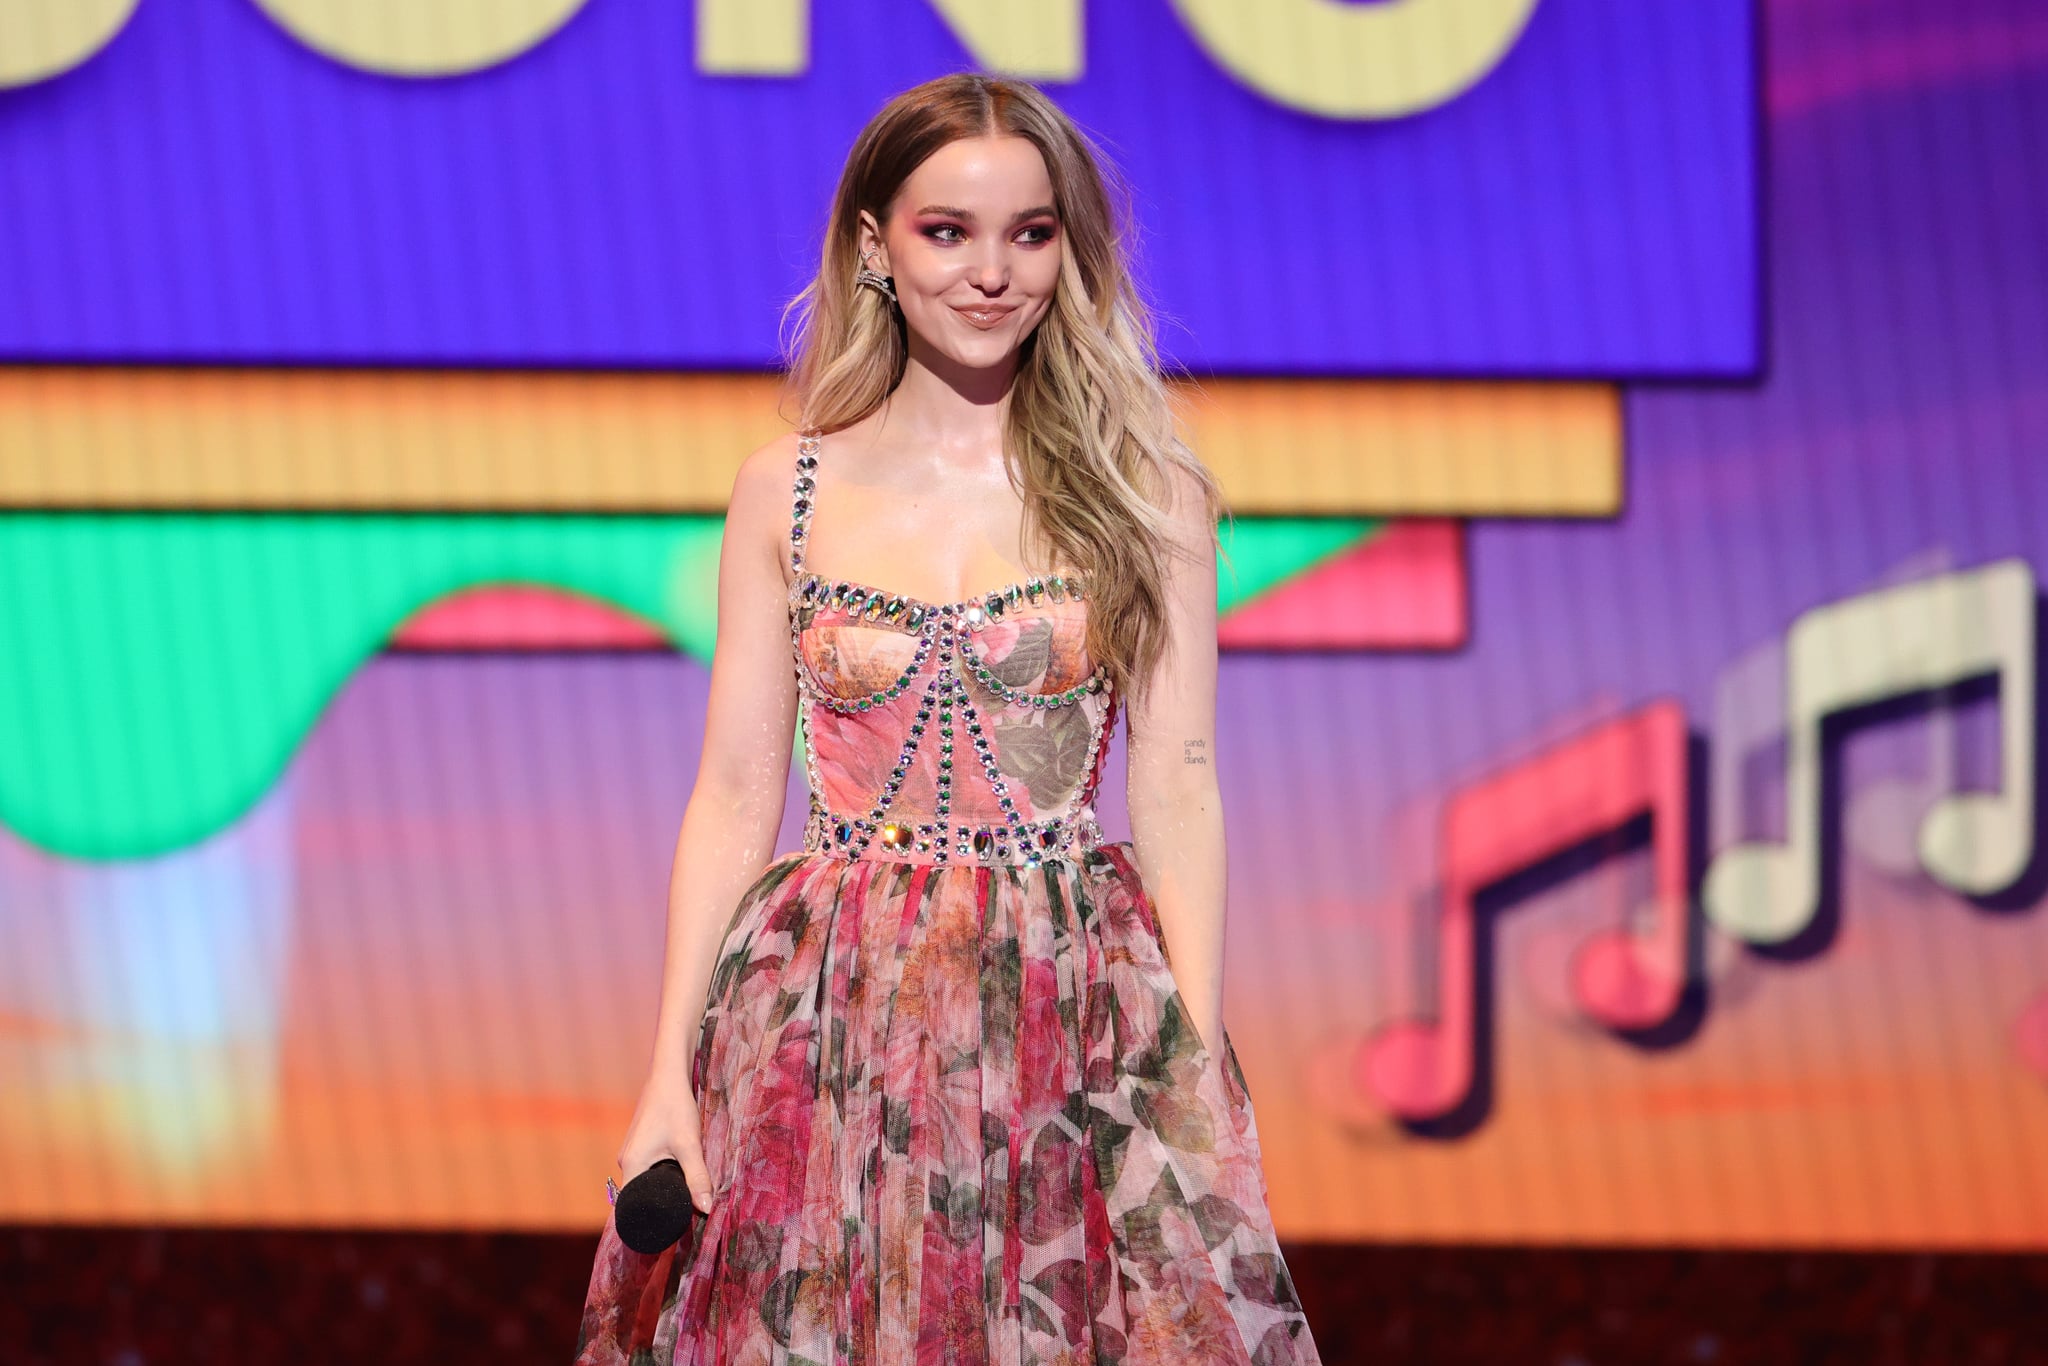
(958, 1115)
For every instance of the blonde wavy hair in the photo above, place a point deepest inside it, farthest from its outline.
(1090, 434)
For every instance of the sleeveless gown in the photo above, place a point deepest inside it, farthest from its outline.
(952, 1105)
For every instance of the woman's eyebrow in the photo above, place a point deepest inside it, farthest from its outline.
(948, 211)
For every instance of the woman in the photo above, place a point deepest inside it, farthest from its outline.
(935, 1088)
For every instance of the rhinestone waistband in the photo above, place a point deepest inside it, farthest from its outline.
(1025, 844)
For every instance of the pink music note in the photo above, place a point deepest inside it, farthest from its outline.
(1585, 787)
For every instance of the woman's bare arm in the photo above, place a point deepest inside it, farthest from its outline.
(735, 809)
(1176, 808)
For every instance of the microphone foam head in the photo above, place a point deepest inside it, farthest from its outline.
(653, 1211)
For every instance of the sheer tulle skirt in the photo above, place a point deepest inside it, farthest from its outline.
(953, 1115)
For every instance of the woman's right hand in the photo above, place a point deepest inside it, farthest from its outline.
(665, 1125)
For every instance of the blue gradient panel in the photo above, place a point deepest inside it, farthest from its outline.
(207, 189)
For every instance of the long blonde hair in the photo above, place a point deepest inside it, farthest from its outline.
(1090, 434)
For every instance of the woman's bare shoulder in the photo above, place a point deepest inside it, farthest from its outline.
(768, 468)
(764, 487)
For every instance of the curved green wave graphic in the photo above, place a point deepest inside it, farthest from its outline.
(159, 670)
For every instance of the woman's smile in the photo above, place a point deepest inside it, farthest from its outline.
(986, 316)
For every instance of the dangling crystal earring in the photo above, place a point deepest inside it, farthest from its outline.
(872, 279)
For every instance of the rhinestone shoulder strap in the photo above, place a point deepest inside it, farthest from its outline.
(801, 494)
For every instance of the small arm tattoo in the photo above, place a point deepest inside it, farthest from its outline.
(1194, 752)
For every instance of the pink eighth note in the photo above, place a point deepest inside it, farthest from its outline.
(1591, 784)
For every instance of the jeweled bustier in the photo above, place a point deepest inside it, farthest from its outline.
(968, 732)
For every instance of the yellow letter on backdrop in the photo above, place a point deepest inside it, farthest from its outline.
(1347, 61)
(421, 37)
(1037, 39)
(44, 38)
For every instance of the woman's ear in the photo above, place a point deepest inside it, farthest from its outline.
(869, 239)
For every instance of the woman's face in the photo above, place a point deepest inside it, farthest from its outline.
(974, 246)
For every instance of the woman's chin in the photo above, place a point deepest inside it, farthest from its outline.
(986, 351)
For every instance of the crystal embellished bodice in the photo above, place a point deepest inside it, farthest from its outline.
(968, 732)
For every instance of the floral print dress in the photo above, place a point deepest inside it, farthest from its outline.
(952, 1104)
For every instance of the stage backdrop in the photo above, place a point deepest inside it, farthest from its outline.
(1629, 716)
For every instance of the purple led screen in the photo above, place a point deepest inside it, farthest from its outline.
(208, 189)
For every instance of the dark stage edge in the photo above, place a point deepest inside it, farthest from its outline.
(98, 1296)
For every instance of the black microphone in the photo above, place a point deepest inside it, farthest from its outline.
(653, 1210)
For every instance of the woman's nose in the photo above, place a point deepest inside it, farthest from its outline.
(992, 271)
